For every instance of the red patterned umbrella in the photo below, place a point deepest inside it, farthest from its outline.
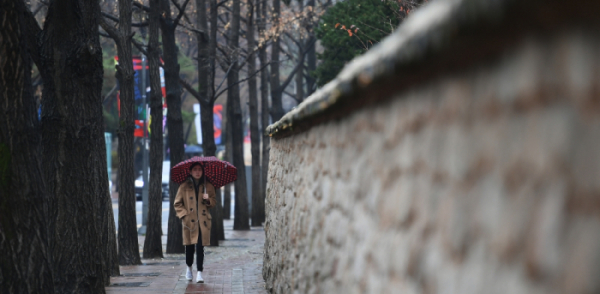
(218, 172)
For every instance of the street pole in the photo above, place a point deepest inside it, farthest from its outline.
(142, 230)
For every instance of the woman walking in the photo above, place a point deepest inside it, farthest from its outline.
(194, 198)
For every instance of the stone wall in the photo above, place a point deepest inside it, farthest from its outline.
(486, 180)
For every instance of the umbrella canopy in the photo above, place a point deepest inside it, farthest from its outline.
(218, 172)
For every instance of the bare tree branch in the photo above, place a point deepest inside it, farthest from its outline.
(140, 5)
(224, 34)
(108, 94)
(240, 81)
(221, 3)
(139, 46)
(196, 31)
(223, 51)
(288, 93)
(189, 88)
(111, 31)
(113, 18)
(105, 35)
(297, 67)
(181, 13)
(38, 9)
(116, 19)
(380, 30)
(298, 101)
(241, 17)
(285, 52)
(224, 78)
(224, 21)
(293, 39)
(223, 63)
(180, 10)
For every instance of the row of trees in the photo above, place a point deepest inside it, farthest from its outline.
(56, 227)
(57, 232)
(228, 41)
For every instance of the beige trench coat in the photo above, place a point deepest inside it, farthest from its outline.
(194, 215)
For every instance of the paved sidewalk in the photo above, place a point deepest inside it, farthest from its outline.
(233, 267)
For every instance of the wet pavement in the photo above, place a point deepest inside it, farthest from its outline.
(234, 267)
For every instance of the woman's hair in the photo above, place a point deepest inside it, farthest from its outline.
(196, 163)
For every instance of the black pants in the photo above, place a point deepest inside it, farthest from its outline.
(189, 253)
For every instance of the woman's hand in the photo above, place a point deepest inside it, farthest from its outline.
(205, 196)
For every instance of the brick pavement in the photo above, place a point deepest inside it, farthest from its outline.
(234, 267)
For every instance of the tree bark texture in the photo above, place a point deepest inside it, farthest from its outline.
(228, 146)
(227, 131)
(205, 99)
(174, 120)
(299, 78)
(212, 48)
(264, 95)
(257, 206)
(71, 132)
(153, 241)
(311, 62)
(129, 252)
(206, 111)
(25, 258)
(217, 231)
(106, 219)
(206, 115)
(106, 222)
(276, 91)
(241, 219)
(311, 66)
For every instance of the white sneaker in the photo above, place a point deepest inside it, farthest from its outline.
(188, 274)
(199, 277)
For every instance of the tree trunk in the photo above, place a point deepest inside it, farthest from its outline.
(276, 91)
(241, 219)
(228, 157)
(264, 95)
(25, 258)
(106, 219)
(311, 66)
(129, 252)
(71, 133)
(257, 206)
(212, 49)
(300, 81)
(206, 112)
(205, 99)
(219, 230)
(228, 142)
(311, 63)
(106, 223)
(299, 78)
(153, 241)
(174, 120)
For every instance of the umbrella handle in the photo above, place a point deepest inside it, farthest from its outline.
(204, 184)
